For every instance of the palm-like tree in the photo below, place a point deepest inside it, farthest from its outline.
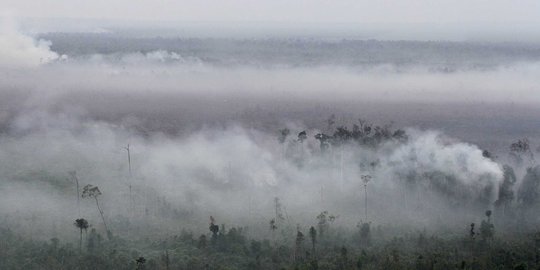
(82, 224)
(140, 262)
(90, 191)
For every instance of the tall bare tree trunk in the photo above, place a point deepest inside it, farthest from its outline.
(365, 203)
(74, 176)
(80, 242)
(101, 213)
(341, 169)
(167, 259)
(130, 175)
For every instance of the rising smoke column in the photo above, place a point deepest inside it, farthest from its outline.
(18, 50)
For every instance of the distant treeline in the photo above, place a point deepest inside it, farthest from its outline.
(443, 56)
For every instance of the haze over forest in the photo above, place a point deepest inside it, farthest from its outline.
(378, 135)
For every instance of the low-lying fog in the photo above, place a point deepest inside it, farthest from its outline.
(203, 129)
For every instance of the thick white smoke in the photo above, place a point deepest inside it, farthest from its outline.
(233, 174)
(430, 151)
(18, 50)
(70, 116)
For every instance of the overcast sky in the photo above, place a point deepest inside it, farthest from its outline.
(351, 11)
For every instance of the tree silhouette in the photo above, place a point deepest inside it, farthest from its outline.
(283, 133)
(344, 259)
(166, 259)
(324, 220)
(128, 158)
(520, 149)
(202, 242)
(529, 190)
(361, 132)
(213, 228)
(128, 150)
(302, 136)
(313, 237)
(365, 232)
(506, 189)
(487, 154)
(330, 122)
(273, 228)
(486, 227)
(299, 244)
(323, 141)
(279, 218)
(82, 224)
(140, 262)
(90, 191)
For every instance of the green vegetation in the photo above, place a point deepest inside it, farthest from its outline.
(232, 249)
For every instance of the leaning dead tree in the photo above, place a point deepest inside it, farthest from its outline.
(90, 191)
